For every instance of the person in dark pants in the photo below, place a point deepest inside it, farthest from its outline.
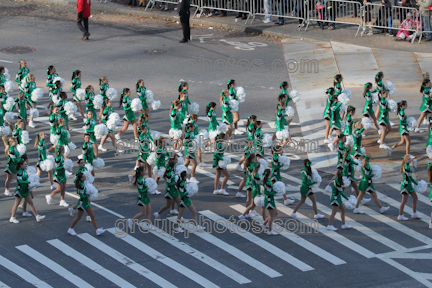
(184, 19)
(83, 10)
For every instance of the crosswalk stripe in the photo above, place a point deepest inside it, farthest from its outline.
(125, 260)
(211, 175)
(332, 234)
(165, 260)
(23, 273)
(300, 241)
(201, 257)
(89, 263)
(74, 195)
(3, 285)
(233, 251)
(258, 241)
(53, 266)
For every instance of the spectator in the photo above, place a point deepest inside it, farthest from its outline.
(83, 10)
(329, 13)
(425, 17)
(184, 13)
(280, 6)
(417, 26)
(268, 11)
(384, 15)
(367, 17)
(406, 25)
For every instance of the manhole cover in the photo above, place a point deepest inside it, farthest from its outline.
(155, 51)
(18, 50)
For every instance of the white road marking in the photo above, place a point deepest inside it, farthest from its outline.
(23, 273)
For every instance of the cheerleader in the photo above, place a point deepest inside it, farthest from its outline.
(3, 95)
(429, 166)
(88, 151)
(81, 169)
(255, 182)
(89, 98)
(403, 127)
(2, 76)
(280, 120)
(348, 130)
(52, 74)
(306, 190)
(366, 185)
(227, 115)
(42, 156)
(183, 111)
(246, 155)
(11, 163)
(28, 89)
(407, 189)
(194, 119)
(251, 126)
(275, 172)
(189, 152)
(384, 121)
(379, 80)
(233, 96)
(76, 84)
(161, 156)
(425, 108)
(143, 201)
(176, 123)
(53, 120)
(368, 109)
(145, 140)
(55, 93)
(211, 117)
(348, 171)
(428, 142)
(327, 114)
(336, 202)
(59, 178)
(335, 119)
(83, 205)
(129, 116)
(21, 76)
(337, 84)
(185, 202)
(269, 203)
(89, 129)
(19, 127)
(62, 133)
(21, 102)
(184, 86)
(141, 91)
(357, 137)
(61, 104)
(22, 191)
(108, 110)
(258, 145)
(104, 86)
(218, 156)
(171, 193)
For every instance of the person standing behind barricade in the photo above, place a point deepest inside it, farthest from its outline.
(367, 17)
(384, 15)
(425, 17)
(83, 10)
(280, 11)
(184, 19)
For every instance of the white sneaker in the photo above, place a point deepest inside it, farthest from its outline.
(194, 180)
(48, 199)
(71, 211)
(174, 212)
(364, 201)
(389, 151)
(117, 137)
(31, 124)
(415, 216)
(179, 230)
(215, 192)
(88, 218)
(331, 227)
(363, 135)
(319, 216)
(20, 206)
(72, 117)
(7, 193)
(240, 195)
(63, 203)
(250, 215)
(53, 186)
(241, 217)
(239, 168)
(346, 226)
(379, 142)
(331, 147)
(223, 192)
(238, 132)
(157, 192)
(418, 130)
(156, 215)
(358, 211)
(101, 148)
(99, 231)
(131, 178)
(13, 220)
(40, 217)
(380, 132)
(402, 218)
(72, 232)
(130, 223)
(415, 163)
(384, 209)
(272, 233)
(200, 228)
(266, 21)
(119, 151)
(370, 34)
(202, 164)
(392, 123)
(383, 146)
(26, 214)
(254, 213)
(288, 202)
(430, 225)
(327, 141)
(294, 215)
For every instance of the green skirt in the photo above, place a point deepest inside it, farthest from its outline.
(143, 200)
(83, 204)
(10, 168)
(142, 156)
(185, 201)
(60, 176)
(366, 186)
(129, 116)
(276, 175)
(22, 194)
(269, 203)
(305, 190)
(407, 188)
(171, 194)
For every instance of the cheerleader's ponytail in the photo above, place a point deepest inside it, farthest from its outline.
(37, 139)
(49, 69)
(366, 86)
(137, 84)
(229, 83)
(429, 167)
(124, 91)
(423, 86)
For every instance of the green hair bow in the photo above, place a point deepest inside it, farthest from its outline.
(429, 165)
(328, 91)
(208, 104)
(123, 91)
(366, 85)
(308, 163)
(377, 75)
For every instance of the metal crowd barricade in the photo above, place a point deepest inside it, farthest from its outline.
(240, 6)
(193, 3)
(389, 18)
(421, 28)
(293, 9)
(334, 12)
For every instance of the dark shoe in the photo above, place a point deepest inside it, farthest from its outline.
(281, 23)
(183, 41)
(222, 15)
(427, 39)
(239, 15)
(277, 23)
(244, 17)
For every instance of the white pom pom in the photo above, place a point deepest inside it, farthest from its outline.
(6, 71)
(9, 86)
(91, 191)
(224, 163)
(89, 177)
(259, 201)
(9, 117)
(285, 161)
(367, 124)
(66, 150)
(98, 163)
(344, 99)
(151, 159)
(46, 165)
(392, 105)
(377, 172)
(267, 140)
(159, 172)
(136, 105)
(71, 146)
(204, 133)
(289, 112)
(375, 98)
(263, 166)
(25, 137)
(4, 131)
(223, 128)
(194, 108)
(349, 141)
(346, 182)
(113, 121)
(30, 170)
(282, 135)
(70, 108)
(100, 130)
(316, 178)
(155, 105)
(241, 95)
(357, 168)
(234, 105)
(180, 161)
(351, 203)
(111, 93)
(279, 188)
(88, 166)
(421, 187)
(342, 110)
(155, 135)
(68, 174)
(10, 102)
(213, 134)
(295, 96)
(175, 133)
(98, 101)
(62, 81)
(191, 189)
(54, 139)
(179, 169)
(391, 87)
(7, 76)
(151, 185)
(68, 164)
(347, 92)
(34, 112)
(80, 94)
(412, 124)
(149, 96)
(55, 99)
(329, 189)
(33, 180)
(429, 151)
(36, 94)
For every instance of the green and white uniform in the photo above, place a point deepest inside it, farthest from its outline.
(161, 156)
(250, 131)
(249, 176)
(256, 185)
(233, 95)
(171, 191)
(340, 151)
(403, 124)
(76, 84)
(145, 140)
(22, 73)
(12, 161)
(90, 124)
(280, 120)
(429, 140)
(22, 189)
(366, 184)
(407, 183)
(218, 155)
(80, 170)
(327, 111)
(88, 152)
(28, 89)
(17, 135)
(50, 83)
(129, 115)
(427, 102)
(276, 166)
(335, 116)
(175, 119)
(337, 193)
(338, 88)
(269, 193)
(62, 134)
(348, 169)
(53, 120)
(348, 125)
(105, 115)
(227, 116)
(368, 108)
(141, 91)
(185, 199)
(20, 104)
(62, 111)
(257, 142)
(380, 86)
(42, 151)
(285, 93)
(60, 172)
(55, 92)
(183, 111)
(383, 119)
(306, 185)
(142, 198)
(103, 89)
(213, 124)
(89, 103)
(83, 201)
(357, 137)
(190, 145)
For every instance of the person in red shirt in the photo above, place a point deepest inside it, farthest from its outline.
(83, 10)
